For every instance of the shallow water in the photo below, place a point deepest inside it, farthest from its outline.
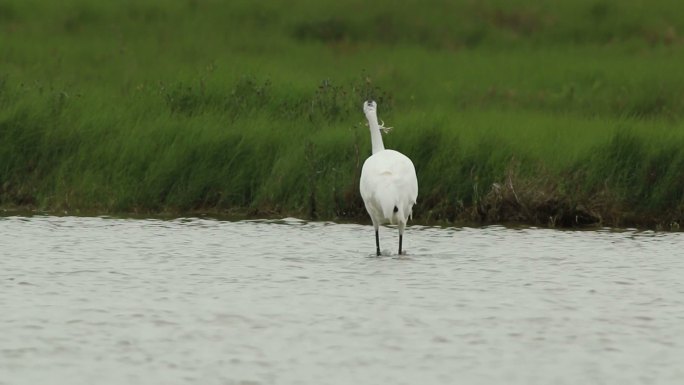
(122, 301)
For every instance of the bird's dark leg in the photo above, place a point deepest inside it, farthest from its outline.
(377, 243)
(400, 239)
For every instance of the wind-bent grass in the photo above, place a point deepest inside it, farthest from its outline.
(559, 113)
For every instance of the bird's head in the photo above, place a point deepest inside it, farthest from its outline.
(369, 107)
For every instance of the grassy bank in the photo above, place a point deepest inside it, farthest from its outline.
(560, 113)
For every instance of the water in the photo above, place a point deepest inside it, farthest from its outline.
(121, 301)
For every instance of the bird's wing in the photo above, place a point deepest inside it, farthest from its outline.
(388, 180)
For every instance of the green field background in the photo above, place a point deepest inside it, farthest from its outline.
(555, 113)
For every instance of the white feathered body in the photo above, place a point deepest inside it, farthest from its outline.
(388, 180)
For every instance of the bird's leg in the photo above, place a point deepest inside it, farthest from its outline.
(400, 239)
(383, 128)
(377, 242)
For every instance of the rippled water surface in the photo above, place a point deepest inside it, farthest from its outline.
(122, 301)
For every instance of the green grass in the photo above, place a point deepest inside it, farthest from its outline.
(560, 113)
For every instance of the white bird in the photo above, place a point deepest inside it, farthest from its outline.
(389, 186)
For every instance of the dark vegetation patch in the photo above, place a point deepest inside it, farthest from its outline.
(47, 163)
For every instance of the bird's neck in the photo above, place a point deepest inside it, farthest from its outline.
(376, 136)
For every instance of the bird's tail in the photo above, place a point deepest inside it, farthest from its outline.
(385, 198)
(394, 210)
